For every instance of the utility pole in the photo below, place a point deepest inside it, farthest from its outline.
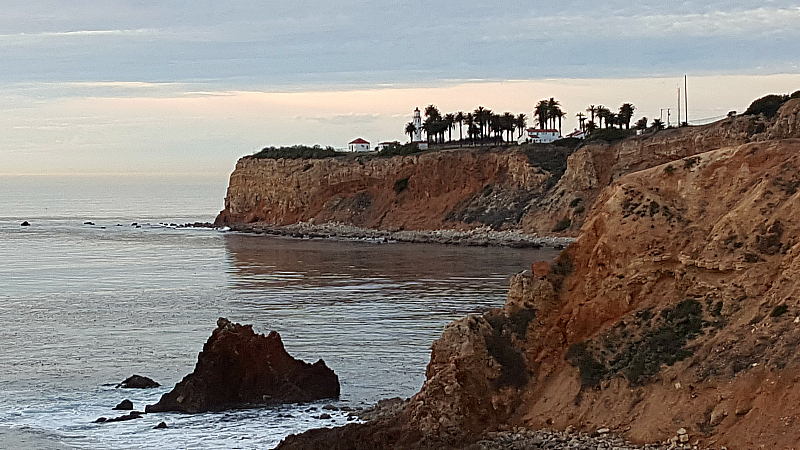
(686, 101)
(679, 106)
(667, 117)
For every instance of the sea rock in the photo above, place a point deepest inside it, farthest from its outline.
(239, 368)
(130, 416)
(25, 224)
(125, 405)
(160, 426)
(138, 382)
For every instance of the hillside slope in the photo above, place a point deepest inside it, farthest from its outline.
(677, 307)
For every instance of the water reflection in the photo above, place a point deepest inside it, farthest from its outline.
(370, 310)
(259, 261)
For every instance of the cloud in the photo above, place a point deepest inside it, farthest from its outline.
(337, 43)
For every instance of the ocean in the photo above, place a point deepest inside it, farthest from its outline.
(102, 286)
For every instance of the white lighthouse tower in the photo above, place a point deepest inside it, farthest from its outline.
(417, 121)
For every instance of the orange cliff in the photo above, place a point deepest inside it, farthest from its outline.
(508, 188)
(678, 307)
(417, 192)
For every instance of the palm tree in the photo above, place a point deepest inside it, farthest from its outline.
(473, 130)
(602, 115)
(542, 112)
(410, 130)
(641, 124)
(460, 120)
(450, 122)
(592, 110)
(581, 119)
(555, 112)
(509, 123)
(521, 121)
(432, 112)
(590, 126)
(657, 125)
(496, 125)
(626, 114)
(481, 116)
(613, 120)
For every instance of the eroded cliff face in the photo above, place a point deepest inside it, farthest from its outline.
(680, 310)
(593, 167)
(470, 188)
(677, 307)
(418, 192)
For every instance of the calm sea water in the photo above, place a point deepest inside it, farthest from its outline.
(86, 305)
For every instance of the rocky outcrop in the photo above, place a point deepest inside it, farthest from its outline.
(239, 368)
(426, 191)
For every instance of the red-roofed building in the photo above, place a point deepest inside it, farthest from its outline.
(358, 145)
(540, 136)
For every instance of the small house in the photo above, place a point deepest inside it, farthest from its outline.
(358, 145)
(385, 145)
(539, 136)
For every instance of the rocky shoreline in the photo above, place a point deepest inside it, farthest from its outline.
(566, 440)
(479, 237)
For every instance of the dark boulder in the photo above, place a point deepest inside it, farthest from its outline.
(138, 382)
(130, 416)
(125, 405)
(25, 224)
(160, 425)
(239, 368)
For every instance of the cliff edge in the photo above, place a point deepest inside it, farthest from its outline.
(674, 317)
(531, 188)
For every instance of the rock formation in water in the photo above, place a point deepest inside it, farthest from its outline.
(674, 316)
(239, 368)
(138, 382)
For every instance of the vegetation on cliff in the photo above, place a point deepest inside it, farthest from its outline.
(769, 104)
(296, 152)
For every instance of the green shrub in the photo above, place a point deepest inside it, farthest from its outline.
(669, 170)
(397, 149)
(767, 105)
(608, 134)
(563, 265)
(779, 310)
(296, 152)
(575, 202)
(562, 225)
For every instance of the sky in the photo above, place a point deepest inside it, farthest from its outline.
(186, 88)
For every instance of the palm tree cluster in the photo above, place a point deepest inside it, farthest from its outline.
(547, 112)
(481, 124)
(606, 117)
